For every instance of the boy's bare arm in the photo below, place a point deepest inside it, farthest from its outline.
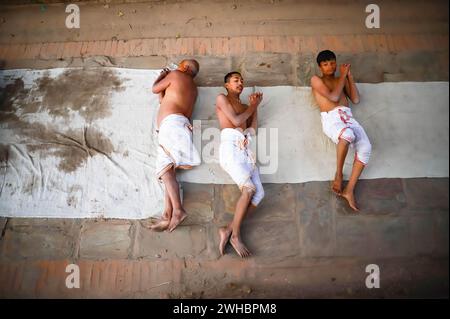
(224, 105)
(350, 88)
(253, 123)
(161, 83)
(333, 95)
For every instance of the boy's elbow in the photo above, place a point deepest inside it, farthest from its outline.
(236, 123)
(334, 98)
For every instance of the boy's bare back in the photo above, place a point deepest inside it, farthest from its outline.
(179, 96)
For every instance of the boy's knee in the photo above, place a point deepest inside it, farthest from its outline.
(348, 135)
(258, 196)
(248, 191)
(364, 152)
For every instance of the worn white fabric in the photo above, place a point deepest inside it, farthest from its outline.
(176, 149)
(239, 162)
(340, 123)
(407, 123)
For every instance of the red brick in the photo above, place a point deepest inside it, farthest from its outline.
(59, 50)
(258, 44)
(163, 46)
(66, 49)
(114, 48)
(146, 47)
(172, 46)
(226, 46)
(107, 48)
(54, 50)
(331, 42)
(135, 47)
(83, 49)
(216, 45)
(74, 49)
(293, 44)
(235, 46)
(346, 43)
(158, 46)
(94, 282)
(268, 44)
(90, 48)
(369, 43)
(381, 42)
(2, 50)
(249, 44)
(197, 44)
(390, 43)
(136, 276)
(208, 45)
(309, 44)
(86, 267)
(99, 48)
(399, 43)
(187, 46)
(22, 51)
(12, 52)
(322, 43)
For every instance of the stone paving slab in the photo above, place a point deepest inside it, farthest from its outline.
(381, 196)
(105, 239)
(426, 194)
(304, 244)
(187, 242)
(316, 219)
(3, 221)
(441, 237)
(39, 238)
(198, 201)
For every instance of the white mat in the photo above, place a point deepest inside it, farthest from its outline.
(82, 144)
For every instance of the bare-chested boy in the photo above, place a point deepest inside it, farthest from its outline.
(338, 124)
(177, 92)
(238, 123)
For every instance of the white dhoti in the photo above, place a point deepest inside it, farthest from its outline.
(237, 160)
(339, 123)
(176, 149)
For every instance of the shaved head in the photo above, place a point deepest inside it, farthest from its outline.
(192, 64)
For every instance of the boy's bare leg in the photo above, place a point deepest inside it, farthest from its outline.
(341, 150)
(233, 230)
(349, 189)
(225, 232)
(163, 223)
(178, 213)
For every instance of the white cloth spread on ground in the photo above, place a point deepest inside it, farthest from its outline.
(339, 123)
(176, 149)
(81, 143)
(239, 162)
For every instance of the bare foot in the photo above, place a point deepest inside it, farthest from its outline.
(167, 214)
(239, 246)
(160, 225)
(350, 197)
(336, 187)
(177, 218)
(224, 235)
